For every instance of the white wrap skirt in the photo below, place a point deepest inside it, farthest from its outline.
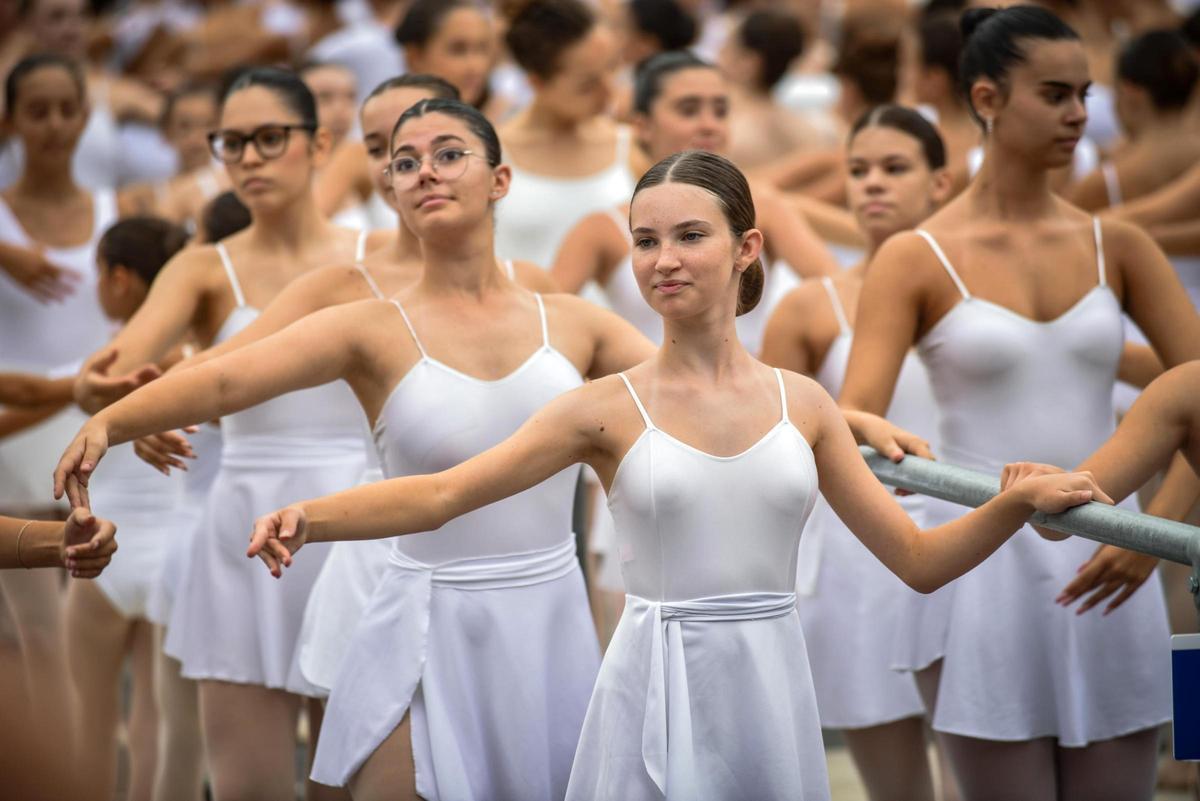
(232, 621)
(709, 698)
(494, 657)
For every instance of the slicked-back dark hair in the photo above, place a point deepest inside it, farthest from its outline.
(1162, 63)
(719, 176)
(995, 39)
(141, 244)
(31, 64)
(438, 87)
(907, 121)
(470, 116)
(284, 84)
(540, 30)
(653, 73)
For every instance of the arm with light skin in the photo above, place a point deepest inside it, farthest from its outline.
(1154, 297)
(534, 278)
(1175, 202)
(566, 431)
(590, 252)
(26, 389)
(161, 322)
(786, 342)
(618, 345)
(14, 421)
(323, 347)
(1164, 420)
(1180, 238)
(789, 237)
(84, 544)
(832, 223)
(345, 176)
(1139, 365)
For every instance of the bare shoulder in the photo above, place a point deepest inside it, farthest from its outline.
(379, 239)
(331, 286)
(905, 255)
(810, 406)
(567, 306)
(799, 304)
(1124, 239)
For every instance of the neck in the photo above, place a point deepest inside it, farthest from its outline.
(1164, 127)
(952, 112)
(406, 246)
(539, 115)
(707, 344)
(49, 182)
(292, 227)
(461, 263)
(1007, 187)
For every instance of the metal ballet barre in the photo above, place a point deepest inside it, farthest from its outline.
(1156, 536)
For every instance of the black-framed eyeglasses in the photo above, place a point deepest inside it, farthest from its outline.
(448, 162)
(269, 140)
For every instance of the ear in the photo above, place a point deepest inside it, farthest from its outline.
(941, 184)
(986, 98)
(749, 250)
(642, 129)
(501, 180)
(414, 55)
(322, 146)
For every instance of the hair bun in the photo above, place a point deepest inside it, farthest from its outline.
(972, 18)
(512, 9)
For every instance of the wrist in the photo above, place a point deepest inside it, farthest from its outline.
(41, 545)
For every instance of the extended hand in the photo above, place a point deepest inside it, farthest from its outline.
(88, 543)
(79, 461)
(166, 450)
(1111, 569)
(277, 536)
(890, 440)
(1052, 493)
(95, 388)
(40, 277)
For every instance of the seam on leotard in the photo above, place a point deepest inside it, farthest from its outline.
(542, 315)
(370, 281)
(838, 311)
(782, 397)
(1112, 183)
(227, 263)
(412, 331)
(1100, 266)
(638, 402)
(941, 256)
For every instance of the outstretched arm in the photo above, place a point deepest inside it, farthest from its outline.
(321, 348)
(555, 438)
(926, 560)
(789, 236)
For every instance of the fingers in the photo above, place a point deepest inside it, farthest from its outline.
(289, 523)
(1129, 589)
(163, 451)
(914, 445)
(1091, 575)
(77, 494)
(102, 361)
(1107, 589)
(66, 466)
(265, 529)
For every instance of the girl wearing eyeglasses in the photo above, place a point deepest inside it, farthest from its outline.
(250, 688)
(471, 668)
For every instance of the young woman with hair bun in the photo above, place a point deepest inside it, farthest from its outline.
(491, 704)
(896, 177)
(1014, 301)
(704, 691)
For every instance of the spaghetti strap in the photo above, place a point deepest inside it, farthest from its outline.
(360, 247)
(227, 263)
(1100, 268)
(624, 137)
(621, 223)
(1112, 182)
(941, 256)
(412, 331)
(838, 310)
(509, 270)
(638, 402)
(782, 397)
(542, 314)
(366, 274)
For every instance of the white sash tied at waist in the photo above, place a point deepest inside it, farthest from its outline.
(667, 699)
(396, 622)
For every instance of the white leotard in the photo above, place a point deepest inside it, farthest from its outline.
(847, 597)
(1010, 388)
(705, 689)
(297, 446)
(49, 339)
(539, 210)
(481, 629)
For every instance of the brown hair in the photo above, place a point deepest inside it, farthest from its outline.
(725, 181)
(539, 31)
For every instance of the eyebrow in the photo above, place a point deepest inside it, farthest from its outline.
(684, 224)
(1064, 85)
(437, 140)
